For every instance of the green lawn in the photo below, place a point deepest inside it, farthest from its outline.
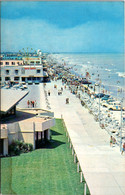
(47, 171)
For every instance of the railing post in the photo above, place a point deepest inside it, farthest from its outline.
(78, 167)
(85, 188)
(81, 177)
(74, 158)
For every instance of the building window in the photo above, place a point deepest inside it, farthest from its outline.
(29, 79)
(23, 71)
(38, 71)
(7, 78)
(32, 62)
(38, 78)
(0, 79)
(37, 62)
(23, 78)
(1, 63)
(13, 63)
(16, 71)
(16, 78)
(7, 63)
(7, 71)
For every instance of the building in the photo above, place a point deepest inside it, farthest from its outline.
(28, 127)
(8, 108)
(23, 73)
(9, 62)
(31, 125)
(9, 98)
(32, 60)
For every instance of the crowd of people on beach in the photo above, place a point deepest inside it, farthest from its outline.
(87, 95)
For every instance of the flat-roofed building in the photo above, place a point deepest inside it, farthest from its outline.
(26, 126)
(31, 125)
(9, 99)
(26, 73)
(9, 62)
(32, 60)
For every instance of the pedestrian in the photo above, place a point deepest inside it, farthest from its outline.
(61, 88)
(111, 141)
(49, 93)
(28, 103)
(33, 104)
(67, 100)
(123, 148)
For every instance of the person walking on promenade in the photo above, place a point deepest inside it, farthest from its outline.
(111, 141)
(33, 104)
(123, 148)
(67, 100)
(28, 103)
(49, 93)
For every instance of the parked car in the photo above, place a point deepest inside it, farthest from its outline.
(114, 105)
(105, 103)
(106, 97)
(99, 95)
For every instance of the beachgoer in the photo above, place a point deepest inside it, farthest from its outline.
(111, 141)
(123, 148)
(28, 103)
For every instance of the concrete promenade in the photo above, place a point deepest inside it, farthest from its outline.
(103, 166)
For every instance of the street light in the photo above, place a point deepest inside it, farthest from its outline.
(99, 84)
(99, 100)
(121, 126)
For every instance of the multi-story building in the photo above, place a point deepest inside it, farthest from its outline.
(32, 60)
(27, 125)
(9, 62)
(29, 74)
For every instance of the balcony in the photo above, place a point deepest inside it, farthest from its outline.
(47, 124)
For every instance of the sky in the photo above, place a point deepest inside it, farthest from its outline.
(62, 26)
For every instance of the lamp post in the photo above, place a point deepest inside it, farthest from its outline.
(121, 127)
(99, 83)
(99, 100)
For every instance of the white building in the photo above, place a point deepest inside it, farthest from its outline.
(24, 73)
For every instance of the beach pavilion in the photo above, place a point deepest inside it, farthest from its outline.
(28, 125)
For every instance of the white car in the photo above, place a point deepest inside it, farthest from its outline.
(114, 105)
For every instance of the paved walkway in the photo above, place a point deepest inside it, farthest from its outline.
(103, 166)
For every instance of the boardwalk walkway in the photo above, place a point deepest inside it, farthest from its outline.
(103, 166)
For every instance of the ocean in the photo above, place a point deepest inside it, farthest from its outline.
(108, 68)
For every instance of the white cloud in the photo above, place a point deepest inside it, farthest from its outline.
(22, 33)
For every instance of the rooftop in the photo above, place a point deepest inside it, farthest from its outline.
(10, 98)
